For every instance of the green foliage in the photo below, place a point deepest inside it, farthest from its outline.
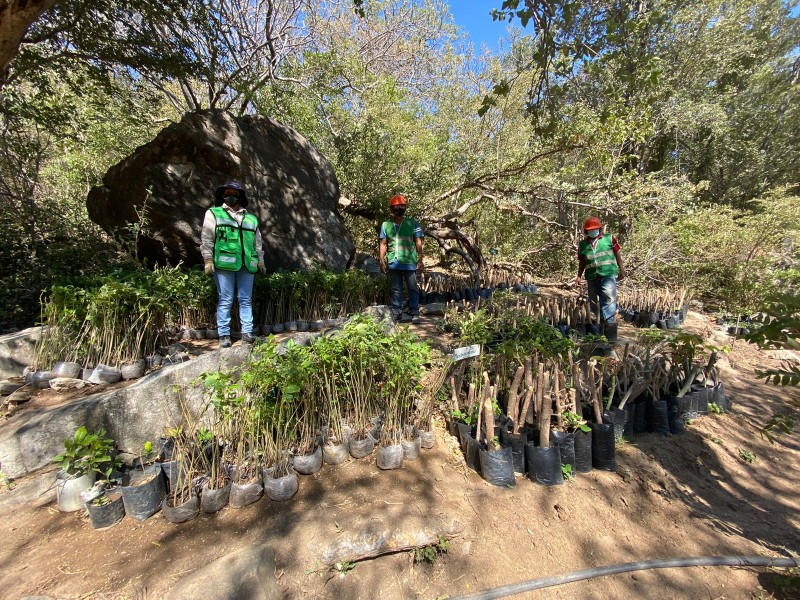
(431, 553)
(780, 328)
(747, 456)
(87, 453)
(573, 422)
(566, 471)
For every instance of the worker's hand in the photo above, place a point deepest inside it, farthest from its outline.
(622, 274)
(578, 280)
(420, 266)
(384, 267)
(209, 268)
(262, 268)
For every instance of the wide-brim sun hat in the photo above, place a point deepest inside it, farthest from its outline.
(219, 193)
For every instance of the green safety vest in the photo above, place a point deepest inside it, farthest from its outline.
(402, 245)
(600, 259)
(234, 244)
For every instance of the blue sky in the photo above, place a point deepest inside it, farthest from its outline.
(475, 17)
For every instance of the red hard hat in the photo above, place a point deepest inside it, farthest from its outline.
(397, 200)
(592, 223)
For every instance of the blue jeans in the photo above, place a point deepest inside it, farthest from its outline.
(242, 280)
(398, 277)
(604, 288)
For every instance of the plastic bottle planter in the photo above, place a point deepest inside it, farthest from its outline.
(307, 464)
(212, 501)
(143, 494)
(640, 417)
(583, 452)
(363, 447)
(566, 446)
(172, 470)
(186, 511)
(389, 457)
(427, 439)
(517, 444)
(69, 488)
(472, 450)
(544, 464)
(676, 426)
(71, 370)
(411, 448)
(335, 453)
(41, 379)
(617, 418)
(497, 466)
(133, 370)
(629, 416)
(105, 374)
(279, 489)
(660, 417)
(464, 432)
(687, 406)
(604, 455)
(106, 515)
(243, 494)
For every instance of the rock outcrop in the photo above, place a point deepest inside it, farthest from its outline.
(291, 187)
(17, 351)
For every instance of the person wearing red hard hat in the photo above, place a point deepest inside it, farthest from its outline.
(231, 245)
(599, 260)
(401, 257)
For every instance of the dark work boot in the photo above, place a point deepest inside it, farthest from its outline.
(225, 341)
(248, 338)
(610, 331)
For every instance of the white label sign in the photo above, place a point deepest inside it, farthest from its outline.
(466, 352)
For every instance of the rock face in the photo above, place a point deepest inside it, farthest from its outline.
(246, 574)
(131, 415)
(290, 186)
(17, 351)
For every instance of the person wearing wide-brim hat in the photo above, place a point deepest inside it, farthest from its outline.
(600, 261)
(231, 246)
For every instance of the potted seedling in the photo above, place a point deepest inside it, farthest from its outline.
(106, 510)
(85, 455)
(143, 488)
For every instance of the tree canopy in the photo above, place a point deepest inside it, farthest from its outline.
(675, 121)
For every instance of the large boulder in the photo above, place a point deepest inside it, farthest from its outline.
(291, 187)
(17, 351)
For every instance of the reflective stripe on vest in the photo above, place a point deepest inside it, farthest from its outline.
(234, 244)
(600, 259)
(402, 245)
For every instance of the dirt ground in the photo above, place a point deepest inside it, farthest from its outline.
(688, 495)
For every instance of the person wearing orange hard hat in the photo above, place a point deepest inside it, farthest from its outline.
(401, 257)
(599, 260)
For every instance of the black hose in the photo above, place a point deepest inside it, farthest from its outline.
(664, 563)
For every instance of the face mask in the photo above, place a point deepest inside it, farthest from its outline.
(593, 233)
(399, 211)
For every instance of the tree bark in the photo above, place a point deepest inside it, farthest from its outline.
(16, 17)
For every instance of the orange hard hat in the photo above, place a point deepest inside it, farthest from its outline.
(397, 200)
(592, 223)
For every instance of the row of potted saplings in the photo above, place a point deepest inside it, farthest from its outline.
(246, 458)
(544, 433)
(444, 287)
(665, 309)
